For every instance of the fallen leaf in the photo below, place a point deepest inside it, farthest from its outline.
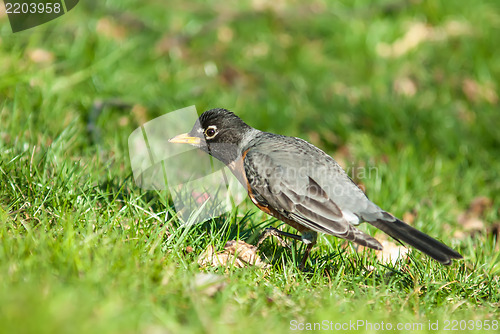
(277, 6)
(470, 223)
(225, 34)
(211, 258)
(454, 28)
(173, 45)
(41, 56)
(416, 34)
(230, 75)
(475, 91)
(391, 252)
(404, 86)
(123, 121)
(3, 11)
(236, 252)
(479, 205)
(314, 138)
(109, 28)
(245, 252)
(419, 32)
(459, 235)
(471, 220)
(140, 113)
(409, 217)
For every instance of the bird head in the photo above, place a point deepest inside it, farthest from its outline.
(217, 132)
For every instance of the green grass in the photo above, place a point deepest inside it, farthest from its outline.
(83, 249)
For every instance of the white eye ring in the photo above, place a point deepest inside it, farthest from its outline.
(211, 132)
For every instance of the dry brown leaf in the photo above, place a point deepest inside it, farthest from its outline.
(236, 252)
(409, 217)
(416, 34)
(109, 28)
(459, 235)
(276, 6)
(230, 75)
(479, 205)
(41, 56)
(315, 139)
(470, 223)
(140, 114)
(471, 220)
(225, 34)
(3, 11)
(457, 28)
(245, 252)
(419, 32)
(391, 252)
(404, 86)
(123, 121)
(475, 92)
(173, 45)
(211, 258)
(470, 89)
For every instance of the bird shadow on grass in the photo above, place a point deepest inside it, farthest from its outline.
(338, 264)
(366, 269)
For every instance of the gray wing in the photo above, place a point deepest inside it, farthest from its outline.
(307, 186)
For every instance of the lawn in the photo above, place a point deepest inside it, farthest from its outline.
(406, 89)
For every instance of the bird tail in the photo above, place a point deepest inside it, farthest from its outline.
(403, 232)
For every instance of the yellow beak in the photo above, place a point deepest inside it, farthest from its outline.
(185, 138)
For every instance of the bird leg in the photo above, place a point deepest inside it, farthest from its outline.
(308, 238)
(306, 256)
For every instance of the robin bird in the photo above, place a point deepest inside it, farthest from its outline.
(299, 184)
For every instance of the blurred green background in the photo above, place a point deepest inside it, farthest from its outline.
(409, 87)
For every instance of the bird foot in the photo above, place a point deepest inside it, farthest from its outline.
(272, 231)
(302, 265)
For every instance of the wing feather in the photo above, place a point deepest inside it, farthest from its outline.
(282, 178)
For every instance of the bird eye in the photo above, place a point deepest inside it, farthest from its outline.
(211, 131)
